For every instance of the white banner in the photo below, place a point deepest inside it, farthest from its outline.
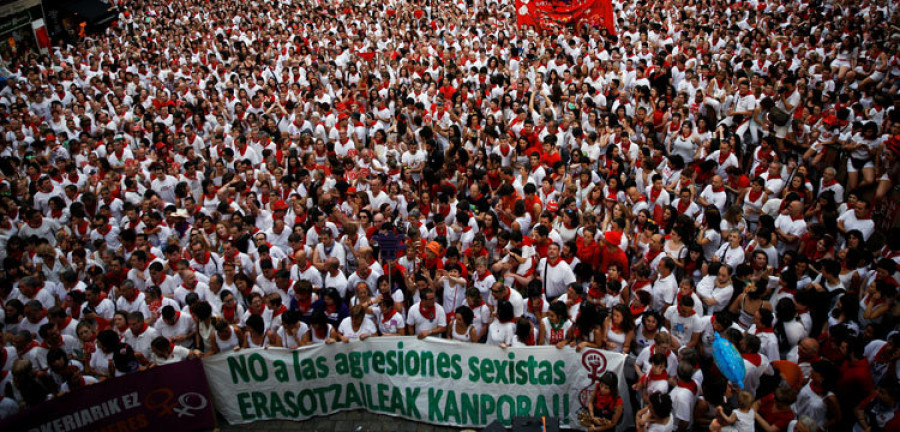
(433, 381)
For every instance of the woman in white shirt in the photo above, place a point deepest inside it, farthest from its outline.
(502, 331)
(390, 322)
(356, 326)
(555, 325)
(462, 329)
(789, 330)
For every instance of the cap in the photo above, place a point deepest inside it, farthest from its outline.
(279, 205)
(613, 237)
(434, 247)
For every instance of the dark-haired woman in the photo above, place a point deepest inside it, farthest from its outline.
(606, 404)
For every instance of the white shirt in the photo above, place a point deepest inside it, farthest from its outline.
(518, 303)
(178, 354)
(557, 277)
(681, 327)
(367, 327)
(717, 199)
(683, 401)
(729, 255)
(141, 343)
(420, 323)
(792, 227)
(501, 333)
(851, 222)
(184, 325)
(663, 291)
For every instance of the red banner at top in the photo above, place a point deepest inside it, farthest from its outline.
(550, 15)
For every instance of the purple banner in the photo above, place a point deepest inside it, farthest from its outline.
(172, 398)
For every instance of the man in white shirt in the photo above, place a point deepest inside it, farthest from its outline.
(499, 291)
(714, 194)
(164, 185)
(555, 274)
(666, 287)
(165, 353)
(857, 218)
(175, 326)
(684, 397)
(684, 323)
(414, 161)
(790, 226)
(426, 318)
(139, 335)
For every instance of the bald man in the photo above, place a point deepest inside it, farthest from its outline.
(790, 227)
(805, 354)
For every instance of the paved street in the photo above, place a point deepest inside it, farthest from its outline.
(350, 421)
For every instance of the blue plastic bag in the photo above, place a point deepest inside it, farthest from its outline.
(729, 360)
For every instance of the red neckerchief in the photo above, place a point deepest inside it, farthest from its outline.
(882, 356)
(30, 347)
(192, 285)
(229, 311)
(817, 388)
(104, 230)
(654, 193)
(139, 332)
(205, 258)
(753, 358)
(718, 189)
(82, 227)
(429, 314)
(536, 306)
(482, 276)
(797, 218)
(650, 376)
(277, 312)
(764, 330)
(134, 295)
(753, 196)
(690, 385)
(830, 183)
(652, 255)
(36, 225)
(683, 205)
(653, 351)
(56, 214)
(723, 156)
(388, 315)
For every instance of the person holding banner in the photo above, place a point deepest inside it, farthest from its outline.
(356, 326)
(320, 330)
(426, 318)
(257, 336)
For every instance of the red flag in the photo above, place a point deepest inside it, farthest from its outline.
(552, 14)
(367, 56)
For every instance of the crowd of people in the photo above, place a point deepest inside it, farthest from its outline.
(203, 177)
